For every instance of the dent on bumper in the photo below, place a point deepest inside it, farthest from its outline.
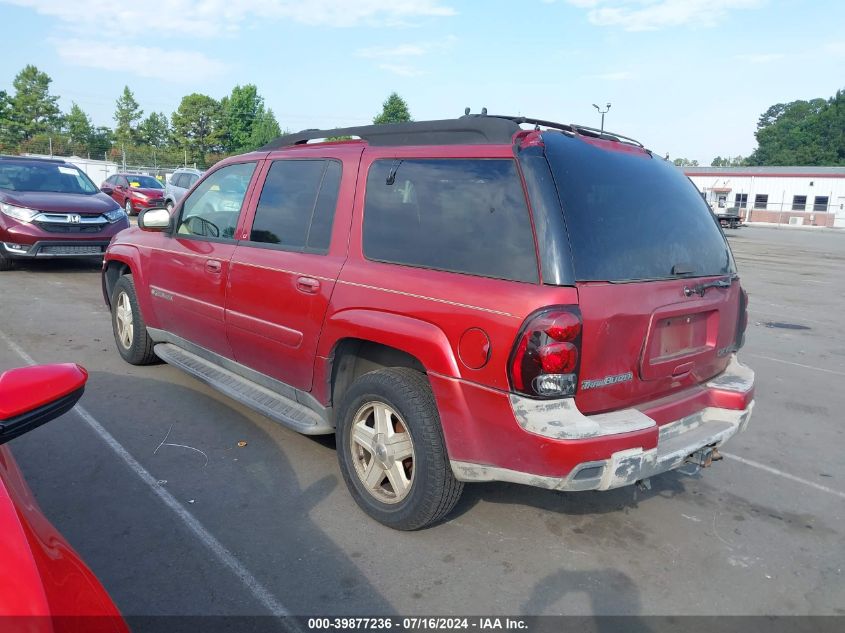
(709, 427)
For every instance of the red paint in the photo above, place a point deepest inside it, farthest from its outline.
(29, 388)
(474, 348)
(51, 590)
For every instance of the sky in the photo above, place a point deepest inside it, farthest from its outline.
(685, 77)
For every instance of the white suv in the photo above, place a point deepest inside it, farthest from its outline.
(179, 183)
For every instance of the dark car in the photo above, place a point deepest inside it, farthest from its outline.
(50, 208)
(458, 301)
(134, 192)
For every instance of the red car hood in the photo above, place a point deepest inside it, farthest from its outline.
(50, 579)
(60, 202)
(150, 193)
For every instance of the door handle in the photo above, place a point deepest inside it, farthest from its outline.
(308, 285)
(213, 266)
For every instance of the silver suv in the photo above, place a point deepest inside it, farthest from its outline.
(180, 181)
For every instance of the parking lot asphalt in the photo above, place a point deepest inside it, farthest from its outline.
(187, 521)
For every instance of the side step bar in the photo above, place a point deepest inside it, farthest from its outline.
(274, 405)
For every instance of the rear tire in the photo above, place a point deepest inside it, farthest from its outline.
(391, 450)
(130, 332)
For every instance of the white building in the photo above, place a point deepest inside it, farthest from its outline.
(97, 170)
(813, 196)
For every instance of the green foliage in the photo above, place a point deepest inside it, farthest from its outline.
(736, 161)
(197, 125)
(802, 133)
(78, 125)
(32, 109)
(264, 130)
(154, 130)
(127, 114)
(685, 162)
(394, 110)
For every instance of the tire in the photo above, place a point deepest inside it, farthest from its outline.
(395, 402)
(169, 206)
(128, 207)
(130, 332)
(6, 263)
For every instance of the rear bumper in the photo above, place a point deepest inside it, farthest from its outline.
(562, 449)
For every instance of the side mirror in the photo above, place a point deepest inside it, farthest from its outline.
(107, 190)
(157, 220)
(32, 396)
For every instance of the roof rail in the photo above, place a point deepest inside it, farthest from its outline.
(473, 129)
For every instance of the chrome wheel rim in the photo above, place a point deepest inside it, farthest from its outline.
(128, 207)
(123, 320)
(382, 452)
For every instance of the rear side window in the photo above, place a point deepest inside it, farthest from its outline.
(297, 205)
(458, 215)
(178, 180)
(631, 216)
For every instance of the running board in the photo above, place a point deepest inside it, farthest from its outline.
(265, 401)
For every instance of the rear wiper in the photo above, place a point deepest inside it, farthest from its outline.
(700, 289)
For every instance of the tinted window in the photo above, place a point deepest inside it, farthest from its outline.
(466, 216)
(297, 204)
(188, 180)
(213, 208)
(178, 180)
(630, 215)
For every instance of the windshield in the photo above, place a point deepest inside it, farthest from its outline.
(44, 176)
(631, 216)
(143, 182)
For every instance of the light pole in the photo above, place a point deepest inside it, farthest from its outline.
(602, 113)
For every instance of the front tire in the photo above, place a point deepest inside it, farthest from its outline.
(128, 207)
(6, 263)
(391, 450)
(130, 332)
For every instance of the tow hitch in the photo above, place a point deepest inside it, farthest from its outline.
(704, 457)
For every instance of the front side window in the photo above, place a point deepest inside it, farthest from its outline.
(297, 205)
(213, 208)
(458, 215)
(178, 180)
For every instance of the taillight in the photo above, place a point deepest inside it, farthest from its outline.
(742, 321)
(544, 361)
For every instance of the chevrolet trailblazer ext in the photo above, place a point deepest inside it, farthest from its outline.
(457, 300)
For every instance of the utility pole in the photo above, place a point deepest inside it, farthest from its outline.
(51, 147)
(602, 113)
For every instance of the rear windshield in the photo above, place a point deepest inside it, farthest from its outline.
(44, 176)
(631, 216)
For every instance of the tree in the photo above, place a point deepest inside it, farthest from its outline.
(241, 113)
(127, 113)
(685, 162)
(78, 125)
(154, 130)
(5, 122)
(265, 129)
(394, 110)
(736, 161)
(100, 141)
(196, 124)
(802, 133)
(32, 110)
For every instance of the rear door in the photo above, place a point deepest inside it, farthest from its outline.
(656, 281)
(188, 275)
(283, 272)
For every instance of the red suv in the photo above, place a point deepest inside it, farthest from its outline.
(458, 300)
(50, 208)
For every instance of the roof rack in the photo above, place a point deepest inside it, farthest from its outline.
(477, 129)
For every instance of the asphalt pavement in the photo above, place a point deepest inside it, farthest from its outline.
(184, 502)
